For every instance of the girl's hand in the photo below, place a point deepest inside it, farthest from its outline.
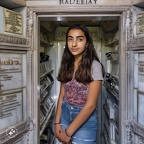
(63, 137)
(57, 130)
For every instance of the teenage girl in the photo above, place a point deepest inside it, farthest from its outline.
(81, 75)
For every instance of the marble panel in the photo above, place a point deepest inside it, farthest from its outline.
(10, 110)
(140, 109)
(13, 95)
(10, 71)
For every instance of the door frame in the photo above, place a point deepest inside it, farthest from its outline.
(125, 27)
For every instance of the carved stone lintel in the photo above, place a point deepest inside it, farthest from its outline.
(79, 9)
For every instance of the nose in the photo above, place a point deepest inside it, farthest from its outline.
(74, 43)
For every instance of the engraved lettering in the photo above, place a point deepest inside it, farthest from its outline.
(140, 23)
(90, 2)
(13, 22)
(16, 62)
(141, 29)
(141, 66)
(61, 2)
(95, 1)
(11, 97)
(72, 1)
(10, 62)
(82, 1)
(141, 69)
(66, 2)
(77, 1)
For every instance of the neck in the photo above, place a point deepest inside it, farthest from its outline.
(77, 62)
(77, 59)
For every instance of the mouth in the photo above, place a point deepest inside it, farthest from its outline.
(74, 49)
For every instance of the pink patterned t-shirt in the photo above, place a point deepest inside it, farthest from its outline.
(76, 92)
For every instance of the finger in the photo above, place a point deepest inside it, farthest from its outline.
(62, 141)
(60, 131)
(56, 135)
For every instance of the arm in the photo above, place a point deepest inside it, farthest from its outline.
(58, 111)
(87, 110)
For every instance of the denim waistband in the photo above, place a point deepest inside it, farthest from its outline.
(70, 107)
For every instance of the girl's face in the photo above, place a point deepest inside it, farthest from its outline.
(76, 41)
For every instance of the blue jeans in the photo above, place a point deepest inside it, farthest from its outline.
(87, 133)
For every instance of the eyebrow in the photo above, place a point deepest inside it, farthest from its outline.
(76, 36)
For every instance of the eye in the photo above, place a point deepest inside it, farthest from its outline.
(69, 39)
(80, 39)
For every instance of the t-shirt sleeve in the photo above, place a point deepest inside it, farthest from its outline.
(97, 71)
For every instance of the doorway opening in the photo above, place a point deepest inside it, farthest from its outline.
(106, 32)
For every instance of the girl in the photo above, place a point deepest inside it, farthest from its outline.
(81, 76)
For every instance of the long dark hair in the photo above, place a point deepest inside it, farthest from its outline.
(83, 73)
